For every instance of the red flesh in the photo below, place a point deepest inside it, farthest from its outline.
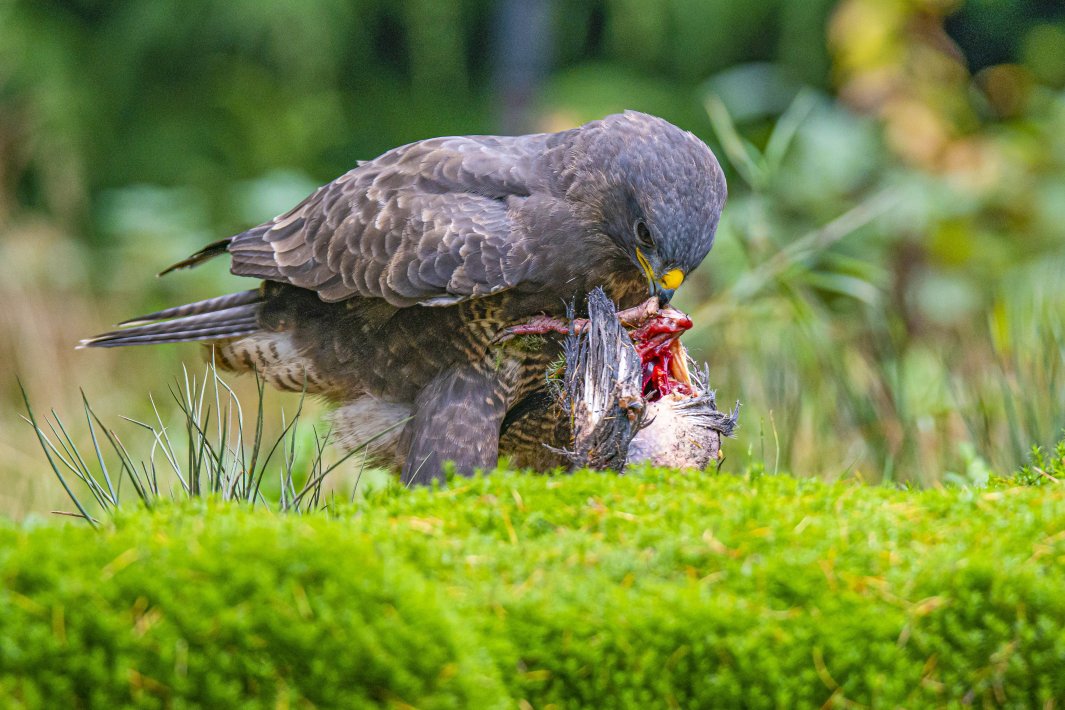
(654, 342)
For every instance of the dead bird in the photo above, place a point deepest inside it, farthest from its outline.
(620, 398)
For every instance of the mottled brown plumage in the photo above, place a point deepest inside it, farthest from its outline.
(385, 290)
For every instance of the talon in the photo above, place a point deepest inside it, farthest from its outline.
(502, 337)
(538, 325)
(541, 325)
(655, 330)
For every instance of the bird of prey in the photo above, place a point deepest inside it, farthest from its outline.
(385, 290)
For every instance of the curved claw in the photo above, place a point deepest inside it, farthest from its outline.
(541, 325)
(538, 325)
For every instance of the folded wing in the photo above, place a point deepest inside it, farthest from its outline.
(429, 223)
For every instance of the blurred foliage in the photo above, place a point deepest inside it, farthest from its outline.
(885, 295)
(920, 316)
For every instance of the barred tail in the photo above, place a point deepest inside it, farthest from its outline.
(218, 318)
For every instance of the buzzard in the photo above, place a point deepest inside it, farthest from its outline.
(386, 290)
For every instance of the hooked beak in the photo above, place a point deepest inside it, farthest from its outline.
(663, 287)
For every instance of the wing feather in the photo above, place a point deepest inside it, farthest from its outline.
(431, 222)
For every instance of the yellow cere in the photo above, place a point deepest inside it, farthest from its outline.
(672, 279)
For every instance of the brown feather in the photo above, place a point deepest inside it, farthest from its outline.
(208, 252)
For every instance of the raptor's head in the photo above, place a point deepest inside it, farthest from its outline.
(657, 191)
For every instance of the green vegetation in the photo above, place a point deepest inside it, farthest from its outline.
(209, 607)
(584, 590)
(213, 451)
(1043, 467)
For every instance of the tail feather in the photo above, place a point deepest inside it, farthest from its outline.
(214, 305)
(121, 339)
(179, 328)
(218, 318)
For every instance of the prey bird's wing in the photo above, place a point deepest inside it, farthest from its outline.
(428, 223)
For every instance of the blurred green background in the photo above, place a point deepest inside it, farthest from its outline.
(887, 291)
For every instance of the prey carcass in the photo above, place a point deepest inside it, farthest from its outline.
(626, 393)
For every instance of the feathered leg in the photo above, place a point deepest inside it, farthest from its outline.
(457, 418)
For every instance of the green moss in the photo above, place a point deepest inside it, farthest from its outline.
(210, 606)
(652, 589)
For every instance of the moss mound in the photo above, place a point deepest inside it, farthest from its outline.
(646, 590)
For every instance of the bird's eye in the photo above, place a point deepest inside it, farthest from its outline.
(643, 234)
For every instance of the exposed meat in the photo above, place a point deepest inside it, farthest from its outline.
(665, 366)
(655, 332)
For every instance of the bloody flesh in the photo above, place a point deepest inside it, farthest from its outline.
(655, 332)
(657, 342)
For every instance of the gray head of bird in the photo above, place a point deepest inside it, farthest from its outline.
(654, 190)
(634, 397)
